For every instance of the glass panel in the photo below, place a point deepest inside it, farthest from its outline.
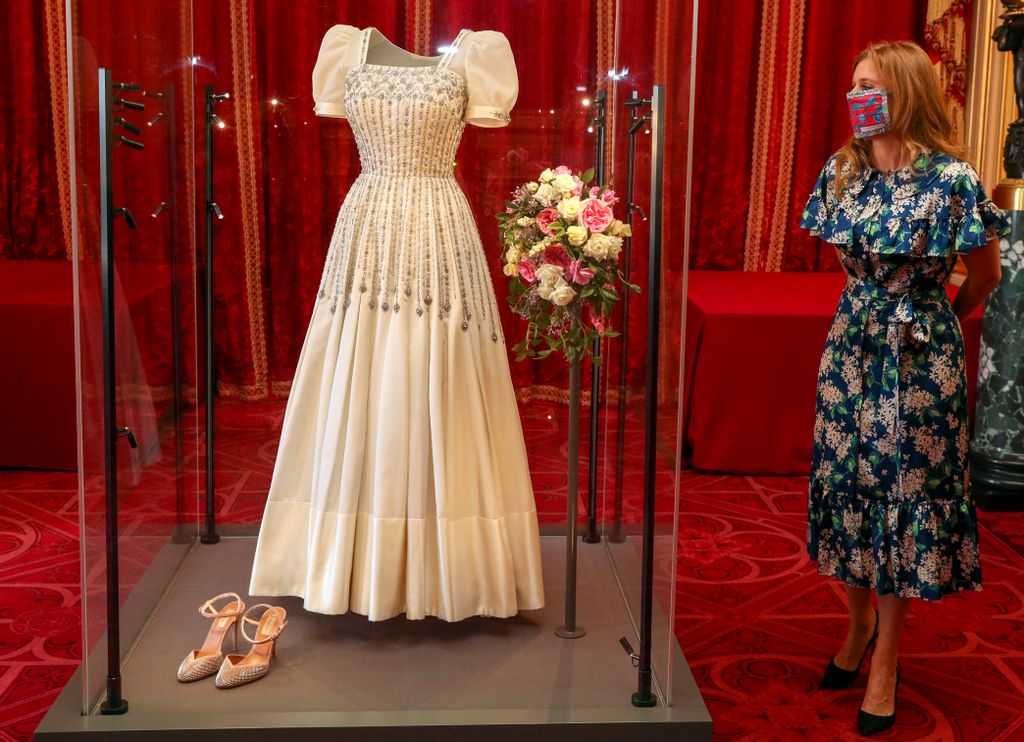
(640, 63)
(155, 308)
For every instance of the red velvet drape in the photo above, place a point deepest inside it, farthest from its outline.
(30, 214)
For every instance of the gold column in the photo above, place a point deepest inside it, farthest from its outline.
(990, 98)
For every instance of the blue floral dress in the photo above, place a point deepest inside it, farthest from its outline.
(890, 506)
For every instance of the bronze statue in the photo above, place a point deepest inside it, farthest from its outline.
(1009, 37)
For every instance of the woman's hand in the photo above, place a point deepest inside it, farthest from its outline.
(983, 275)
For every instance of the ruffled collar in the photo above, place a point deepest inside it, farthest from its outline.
(919, 175)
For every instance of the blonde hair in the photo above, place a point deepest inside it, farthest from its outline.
(917, 107)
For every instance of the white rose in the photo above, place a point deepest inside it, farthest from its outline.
(512, 255)
(547, 176)
(614, 247)
(562, 293)
(577, 235)
(545, 194)
(569, 208)
(619, 229)
(525, 221)
(603, 246)
(564, 182)
(596, 248)
(532, 187)
(548, 274)
(537, 248)
(511, 269)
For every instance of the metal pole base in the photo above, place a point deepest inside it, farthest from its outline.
(211, 538)
(574, 633)
(618, 534)
(646, 701)
(114, 708)
(591, 538)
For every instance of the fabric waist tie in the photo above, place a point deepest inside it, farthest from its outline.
(896, 311)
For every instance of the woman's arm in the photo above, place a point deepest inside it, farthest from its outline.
(983, 275)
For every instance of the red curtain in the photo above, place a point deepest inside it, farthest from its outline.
(30, 213)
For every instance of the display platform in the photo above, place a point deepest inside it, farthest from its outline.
(346, 678)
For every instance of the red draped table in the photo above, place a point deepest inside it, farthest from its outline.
(753, 344)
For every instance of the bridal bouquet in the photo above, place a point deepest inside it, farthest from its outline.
(561, 244)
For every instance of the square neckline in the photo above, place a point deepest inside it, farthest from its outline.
(437, 59)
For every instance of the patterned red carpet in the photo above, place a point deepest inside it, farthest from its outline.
(756, 623)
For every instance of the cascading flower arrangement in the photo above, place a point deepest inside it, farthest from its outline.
(561, 250)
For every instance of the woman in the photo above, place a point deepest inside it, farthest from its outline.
(890, 509)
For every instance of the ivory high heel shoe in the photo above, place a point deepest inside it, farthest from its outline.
(238, 669)
(202, 663)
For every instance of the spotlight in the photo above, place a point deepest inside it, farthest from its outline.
(132, 128)
(130, 142)
(216, 209)
(134, 105)
(219, 121)
(156, 118)
(121, 211)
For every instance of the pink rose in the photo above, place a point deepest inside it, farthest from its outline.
(562, 170)
(578, 273)
(608, 196)
(595, 215)
(527, 270)
(556, 254)
(595, 320)
(546, 218)
(577, 189)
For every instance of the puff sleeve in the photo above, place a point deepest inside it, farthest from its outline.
(330, 70)
(975, 218)
(491, 80)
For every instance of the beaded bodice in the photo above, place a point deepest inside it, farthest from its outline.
(405, 235)
(407, 121)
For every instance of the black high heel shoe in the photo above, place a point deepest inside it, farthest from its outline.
(869, 724)
(836, 677)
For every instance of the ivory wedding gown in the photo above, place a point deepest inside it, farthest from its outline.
(401, 482)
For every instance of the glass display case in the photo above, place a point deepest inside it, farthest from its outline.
(587, 89)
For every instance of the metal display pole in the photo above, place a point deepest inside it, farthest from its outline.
(636, 122)
(209, 535)
(115, 702)
(592, 536)
(570, 630)
(644, 696)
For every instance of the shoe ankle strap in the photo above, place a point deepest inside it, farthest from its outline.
(207, 609)
(266, 607)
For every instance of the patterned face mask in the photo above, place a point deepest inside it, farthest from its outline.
(869, 112)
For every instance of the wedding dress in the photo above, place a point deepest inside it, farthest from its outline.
(401, 482)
